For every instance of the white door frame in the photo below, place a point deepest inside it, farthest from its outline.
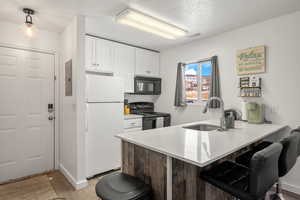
(56, 93)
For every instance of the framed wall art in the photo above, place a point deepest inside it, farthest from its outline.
(251, 60)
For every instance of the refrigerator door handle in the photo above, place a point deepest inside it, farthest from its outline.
(105, 101)
(86, 118)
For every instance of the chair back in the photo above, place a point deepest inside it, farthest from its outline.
(264, 170)
(289, 154)
(297, 132)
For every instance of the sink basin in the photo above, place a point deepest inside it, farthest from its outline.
(202, 127)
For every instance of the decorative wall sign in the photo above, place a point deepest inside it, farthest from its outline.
(251, 61)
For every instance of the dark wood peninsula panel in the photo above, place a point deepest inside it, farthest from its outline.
(147, 165)
(151, 167)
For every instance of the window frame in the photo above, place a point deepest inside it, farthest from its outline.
(199, 101)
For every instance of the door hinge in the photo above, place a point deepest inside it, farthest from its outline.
(55, 78)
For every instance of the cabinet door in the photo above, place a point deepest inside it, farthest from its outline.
(125, 65)
(90, 57)
(147, 63)
(105, 55)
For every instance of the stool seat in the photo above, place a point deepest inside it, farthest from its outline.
(120, 186)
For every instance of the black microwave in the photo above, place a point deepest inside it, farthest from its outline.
(147, 85)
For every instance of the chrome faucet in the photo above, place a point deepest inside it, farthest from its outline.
(222, 119)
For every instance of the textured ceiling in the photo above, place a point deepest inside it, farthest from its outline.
(207, 17)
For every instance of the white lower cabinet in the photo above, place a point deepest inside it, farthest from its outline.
(131, 125)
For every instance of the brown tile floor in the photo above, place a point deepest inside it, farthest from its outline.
(52, 186)
(36, 188)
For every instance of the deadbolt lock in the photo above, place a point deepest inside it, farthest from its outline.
(50, 108)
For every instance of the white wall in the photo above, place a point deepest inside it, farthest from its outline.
(81, 99)
(14, 35)
(72, 138)
(280, 83)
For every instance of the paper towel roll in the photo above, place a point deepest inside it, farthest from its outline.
(244, 110)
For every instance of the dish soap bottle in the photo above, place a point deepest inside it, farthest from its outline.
(126, 110)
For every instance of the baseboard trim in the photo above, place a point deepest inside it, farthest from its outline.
(76, 184)
(291, 188)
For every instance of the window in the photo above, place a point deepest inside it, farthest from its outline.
(197, 81)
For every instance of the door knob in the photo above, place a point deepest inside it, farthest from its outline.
(51, 117)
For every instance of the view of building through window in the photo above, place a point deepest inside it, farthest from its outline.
(197, 81)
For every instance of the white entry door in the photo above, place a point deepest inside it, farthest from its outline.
(26, 133)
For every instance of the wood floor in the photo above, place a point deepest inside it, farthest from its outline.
(52, 186)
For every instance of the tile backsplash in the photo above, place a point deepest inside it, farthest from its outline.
(141, 98)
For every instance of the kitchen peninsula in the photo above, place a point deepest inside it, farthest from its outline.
(171, 159)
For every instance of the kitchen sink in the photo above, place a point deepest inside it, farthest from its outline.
(202, 127)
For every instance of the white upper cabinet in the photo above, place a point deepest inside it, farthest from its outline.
(105, 55)
(100, 55)
(125, 65)
(122, 60)
(90, 53)
(147, 63)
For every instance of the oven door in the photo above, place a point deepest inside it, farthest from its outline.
(149, 123)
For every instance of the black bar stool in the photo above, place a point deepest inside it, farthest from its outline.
(120, 186)
(287, 159)
(245, 158)
(247, 183)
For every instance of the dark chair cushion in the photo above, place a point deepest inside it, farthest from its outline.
(120, 186)
(230, 177)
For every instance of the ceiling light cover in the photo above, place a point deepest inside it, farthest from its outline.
(150, 24)
(29, 26)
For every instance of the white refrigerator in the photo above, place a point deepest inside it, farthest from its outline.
(105, 100)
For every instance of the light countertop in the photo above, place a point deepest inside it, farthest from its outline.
(200, 148)
(132, 116)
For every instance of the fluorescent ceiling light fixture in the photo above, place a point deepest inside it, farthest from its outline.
(150, 24)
